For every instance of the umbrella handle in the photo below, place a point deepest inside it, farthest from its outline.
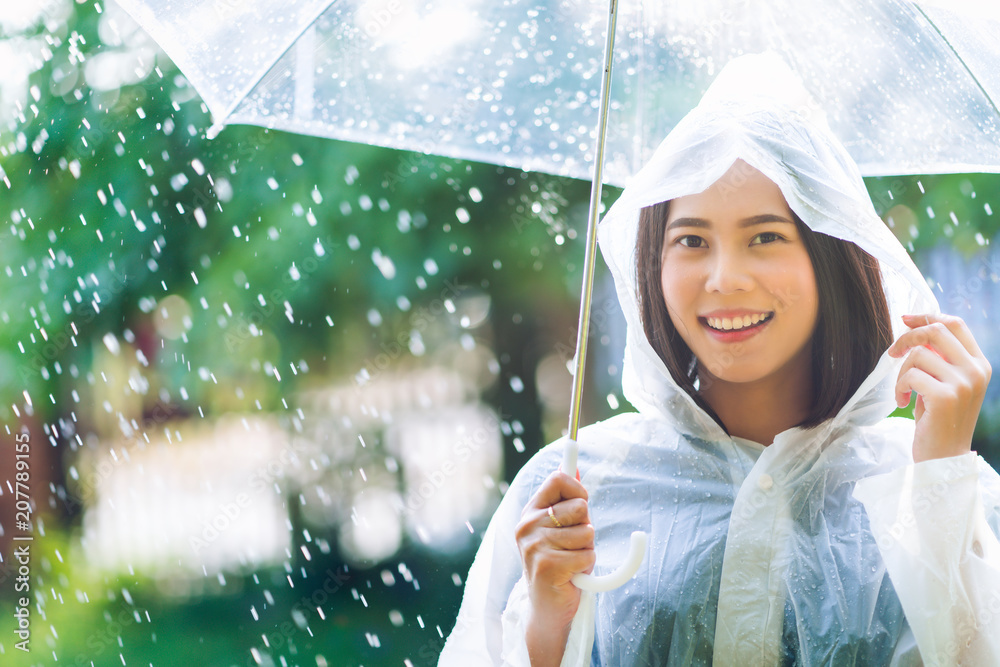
(636, 547)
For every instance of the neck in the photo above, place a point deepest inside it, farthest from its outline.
(762, 409)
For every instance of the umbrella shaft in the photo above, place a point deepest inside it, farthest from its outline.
(583, 328)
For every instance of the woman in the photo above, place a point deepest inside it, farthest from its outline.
(773, 324)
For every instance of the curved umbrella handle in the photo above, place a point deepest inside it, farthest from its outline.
(636, 547)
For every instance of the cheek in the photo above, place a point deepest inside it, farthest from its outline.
(679, 294)
(675, 288)
(793, 287)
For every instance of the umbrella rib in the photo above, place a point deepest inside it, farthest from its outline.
(958, 56)
(219, 124)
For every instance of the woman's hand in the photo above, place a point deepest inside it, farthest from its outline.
(554, 546)
(949, 373)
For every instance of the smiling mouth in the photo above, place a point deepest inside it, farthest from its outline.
(737, 323)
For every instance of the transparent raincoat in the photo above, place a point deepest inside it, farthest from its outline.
(827, 547)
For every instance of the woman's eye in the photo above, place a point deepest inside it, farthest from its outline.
(767, 237)
(691, 241)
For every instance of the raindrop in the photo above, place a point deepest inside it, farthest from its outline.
(475, 195)
(462, 215)
(111, 343)
(297, 159)
(516, 384)
(365, 202)
(374, 317)
(272, 183)
(403, 220)
(316, 195)
(352, 242)
(351, 175)
(613, 401)
(430, 267)
(384, 264)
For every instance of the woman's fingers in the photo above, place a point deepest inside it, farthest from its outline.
(955, 358)
(947, 334)
(564, 513)
(557, 487)
(918, 380)
(929, 364)
(554, 535)
(571, 538)
(557, 568)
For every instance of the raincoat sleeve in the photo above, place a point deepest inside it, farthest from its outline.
(479, 634)
(936, 524)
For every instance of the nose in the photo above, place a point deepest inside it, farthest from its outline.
(728, 273)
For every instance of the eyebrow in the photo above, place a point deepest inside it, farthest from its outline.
(745, 222)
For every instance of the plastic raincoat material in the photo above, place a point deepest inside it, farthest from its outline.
(828, 547)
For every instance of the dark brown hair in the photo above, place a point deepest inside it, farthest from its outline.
(852, 330)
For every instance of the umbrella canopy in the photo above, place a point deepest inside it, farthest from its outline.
(908, 87)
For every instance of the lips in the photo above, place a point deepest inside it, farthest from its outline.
(735, 335)
(737, 322)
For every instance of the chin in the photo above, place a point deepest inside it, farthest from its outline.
(727, 368)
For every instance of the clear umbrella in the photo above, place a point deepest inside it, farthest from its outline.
(908, 87)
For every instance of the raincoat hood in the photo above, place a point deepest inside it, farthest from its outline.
(759, 112)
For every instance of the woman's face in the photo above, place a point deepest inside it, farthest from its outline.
(737, 280)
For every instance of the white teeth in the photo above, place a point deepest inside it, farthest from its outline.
(728, 324)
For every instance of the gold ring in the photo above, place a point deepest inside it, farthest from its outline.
(552, 515)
